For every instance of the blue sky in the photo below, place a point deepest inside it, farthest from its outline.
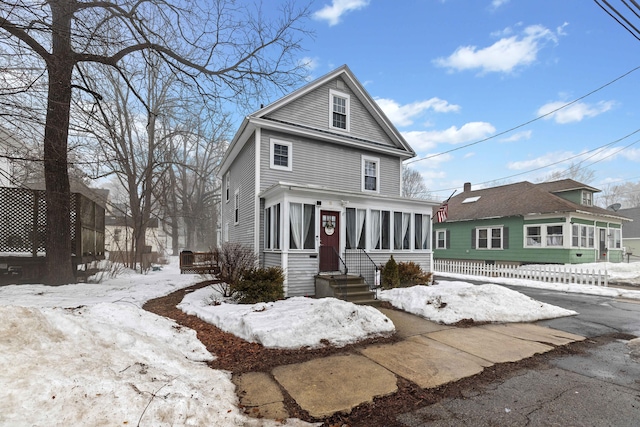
(454, 72)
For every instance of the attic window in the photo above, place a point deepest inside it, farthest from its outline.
(339, 110)
(587, 198)
(471, 199)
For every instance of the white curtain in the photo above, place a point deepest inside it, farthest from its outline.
(351, 228)
(361, 214)
(406, 220)
(397, 230)
(426, 220)
(375, 229)
(295, 217)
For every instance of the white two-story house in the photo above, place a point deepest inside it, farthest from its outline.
(312, 182)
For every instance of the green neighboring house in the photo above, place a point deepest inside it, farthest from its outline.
(524, 223)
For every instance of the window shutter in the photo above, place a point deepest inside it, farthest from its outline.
(447, 243)
(433, 239)
(473, 238)
(505, 238)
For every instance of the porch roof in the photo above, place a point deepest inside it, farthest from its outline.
(346, 196)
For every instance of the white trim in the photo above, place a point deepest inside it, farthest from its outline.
(375, 160)
(256, 191)
(289, 145)
(334, 93)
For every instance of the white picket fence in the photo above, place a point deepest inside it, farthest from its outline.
(544, 273)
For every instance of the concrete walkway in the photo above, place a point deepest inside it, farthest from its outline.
(429, 355)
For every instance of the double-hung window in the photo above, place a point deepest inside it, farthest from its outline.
(370, 173)
(339, 110)
(302, 226)
(615, 238)
(236, 206)
(227, 187)
(441, 239)
(587, 198)
(534, 236)
(554, 235)
(489, 238)
(582, 236)
(281, 155)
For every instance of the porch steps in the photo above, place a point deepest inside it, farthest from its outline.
(345, 287)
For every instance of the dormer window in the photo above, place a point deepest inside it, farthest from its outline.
(587, 198)
(339, 110)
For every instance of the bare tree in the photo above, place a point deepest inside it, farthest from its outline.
(413, 185)
(230, 50)
(627, 194)
(575, 172)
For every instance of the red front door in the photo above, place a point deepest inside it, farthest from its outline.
(329, 240)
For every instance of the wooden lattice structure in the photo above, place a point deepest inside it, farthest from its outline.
(23, 225)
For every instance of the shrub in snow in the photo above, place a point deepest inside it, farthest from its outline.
(260, 285)
(234, 260)
(411, 274)
(390, 277)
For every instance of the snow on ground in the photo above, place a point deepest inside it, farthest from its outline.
(87, 354)
(292, 323)
(450, 302)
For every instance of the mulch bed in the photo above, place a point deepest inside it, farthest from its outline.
(238, 356)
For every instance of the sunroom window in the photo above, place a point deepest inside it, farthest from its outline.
(356, 226)
(380, 229)
(401, 223)
(422, 231)
(302, 220)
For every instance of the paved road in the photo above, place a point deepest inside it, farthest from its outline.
(598, 388)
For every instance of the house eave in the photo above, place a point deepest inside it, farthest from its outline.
(321, 135)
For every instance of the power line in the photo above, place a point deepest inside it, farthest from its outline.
(597, 149)
(619, 17)
(528, 122)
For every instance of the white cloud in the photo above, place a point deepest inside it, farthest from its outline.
(503, 56)
(518, 136)
(332, 13)
(586, 158)
(541, 161)
(575, 112)
(402, 115)
(472, 131)
(497, 3)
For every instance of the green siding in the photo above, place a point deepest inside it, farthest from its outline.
(460, 245)
(572, 196)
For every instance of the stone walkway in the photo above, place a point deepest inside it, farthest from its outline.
(429, 355)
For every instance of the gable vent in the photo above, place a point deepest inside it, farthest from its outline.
(339, 84)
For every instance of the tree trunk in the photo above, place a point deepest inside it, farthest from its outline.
(56, 174)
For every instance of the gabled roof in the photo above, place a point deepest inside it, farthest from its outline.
(260, 118)
(520, 199)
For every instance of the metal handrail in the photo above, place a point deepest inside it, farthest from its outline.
(360, 261)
